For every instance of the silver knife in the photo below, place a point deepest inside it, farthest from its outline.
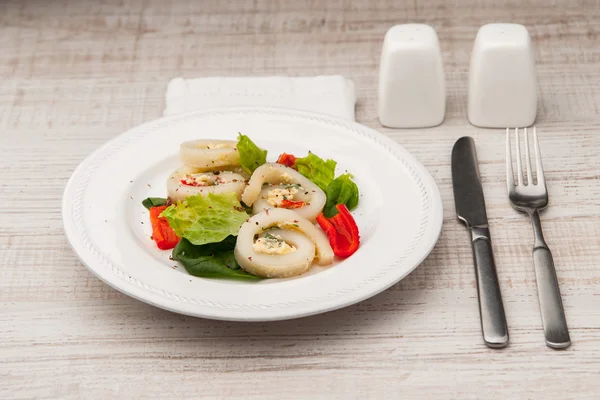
(470, 208)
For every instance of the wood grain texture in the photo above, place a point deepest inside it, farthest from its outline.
(74, 74)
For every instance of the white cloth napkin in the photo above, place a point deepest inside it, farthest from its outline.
(331, 94)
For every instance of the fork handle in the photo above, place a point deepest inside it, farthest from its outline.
(551, 306)
(491, 308)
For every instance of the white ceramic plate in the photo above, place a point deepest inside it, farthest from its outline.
(399, 215)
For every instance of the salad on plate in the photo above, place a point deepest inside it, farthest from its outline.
(229, 213)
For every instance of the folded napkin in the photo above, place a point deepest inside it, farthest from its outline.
(332, 94)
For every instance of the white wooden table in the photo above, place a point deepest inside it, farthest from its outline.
(75, 74)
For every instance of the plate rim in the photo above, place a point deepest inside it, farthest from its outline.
(136, 289)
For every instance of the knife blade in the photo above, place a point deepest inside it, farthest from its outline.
(470, 208)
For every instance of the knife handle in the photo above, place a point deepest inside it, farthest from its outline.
(491, 309)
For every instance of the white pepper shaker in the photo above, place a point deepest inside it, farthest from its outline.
(411, 78)
(502, 81)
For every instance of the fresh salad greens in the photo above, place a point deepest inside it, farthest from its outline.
(341, 190)
(214, 260)
(154, 202)
(209, 219)
(201, 226)
(251, 156)
(320, 171)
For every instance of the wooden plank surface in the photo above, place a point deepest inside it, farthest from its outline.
(74, 74)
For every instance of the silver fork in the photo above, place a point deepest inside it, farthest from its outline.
(531, 198)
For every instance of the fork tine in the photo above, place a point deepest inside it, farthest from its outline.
(538, 160)
(519, 168)
(528, 159)
(510, 177)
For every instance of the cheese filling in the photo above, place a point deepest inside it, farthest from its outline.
(272, 244)
(202, 180)
(276, 196)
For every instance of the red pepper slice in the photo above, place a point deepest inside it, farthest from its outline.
(292, 204)
(162, 233)
(289, 160)
(341, 230)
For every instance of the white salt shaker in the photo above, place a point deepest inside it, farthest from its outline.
(502, 82)
(411, 78)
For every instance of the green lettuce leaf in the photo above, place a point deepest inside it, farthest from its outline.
(251, 156)
(213, 260)
(153, 202)
(342, 190)
(207, 219)
(316, 169)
